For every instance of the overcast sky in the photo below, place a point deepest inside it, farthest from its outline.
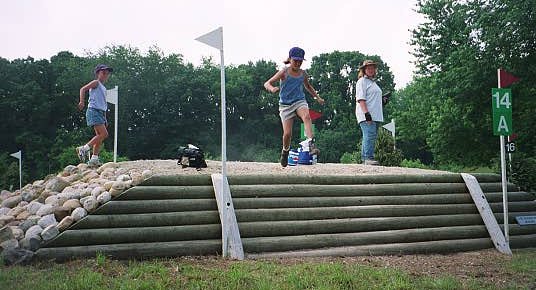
(252, 29)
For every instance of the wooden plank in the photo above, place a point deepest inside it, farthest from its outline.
(487, 215)
(231, 242)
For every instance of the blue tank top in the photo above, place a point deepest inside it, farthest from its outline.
(97, 98)
(291, 89)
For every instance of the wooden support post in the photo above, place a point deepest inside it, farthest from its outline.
(231, 242)
(483, 207)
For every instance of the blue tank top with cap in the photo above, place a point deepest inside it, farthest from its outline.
(291, 89)
(97, 98)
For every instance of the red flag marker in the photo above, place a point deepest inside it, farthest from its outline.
(507, 78)
(314, 114)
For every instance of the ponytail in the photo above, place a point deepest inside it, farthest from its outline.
(287, 61)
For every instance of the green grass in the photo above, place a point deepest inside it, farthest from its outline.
(105, 273)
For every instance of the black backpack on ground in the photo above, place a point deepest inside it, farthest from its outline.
(191, 157)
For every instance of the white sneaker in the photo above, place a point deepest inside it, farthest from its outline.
(82, 153)
(371, 162)
(94, 162)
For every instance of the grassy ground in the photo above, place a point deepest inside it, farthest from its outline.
(518, 272)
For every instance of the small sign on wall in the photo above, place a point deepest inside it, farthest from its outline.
(526, 220)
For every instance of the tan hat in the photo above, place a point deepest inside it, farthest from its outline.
(368, 62)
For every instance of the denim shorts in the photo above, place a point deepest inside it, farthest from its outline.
(95, 117)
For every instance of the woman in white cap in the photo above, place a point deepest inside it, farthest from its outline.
(292, 101)
(95, 113)
(369, 111)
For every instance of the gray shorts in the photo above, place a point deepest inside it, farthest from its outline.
(289, 111)
(95, 117)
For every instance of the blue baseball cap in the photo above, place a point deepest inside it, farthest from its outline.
(103, 67)
(296, 53)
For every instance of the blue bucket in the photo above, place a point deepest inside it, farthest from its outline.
(305, 158)
(293, 157)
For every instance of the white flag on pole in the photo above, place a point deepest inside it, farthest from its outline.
(390, 127)
(213, 38)
(17, 155)
(112, 96)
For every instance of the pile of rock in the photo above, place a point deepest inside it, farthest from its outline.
(40, 211)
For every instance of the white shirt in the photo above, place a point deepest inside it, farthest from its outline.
(367, 89)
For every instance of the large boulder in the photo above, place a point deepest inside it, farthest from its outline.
(44, 195)
(89, 175)
(146, 174)
(4, 210)
(6, 219)
(25, 225)
(12, 243)
(46, 209)
(69, 170)
(23, 215)
(47, 221)
(49, 233)
(71, 204)
(16, 211)
(33, 207)
(89, 203)
(18, 233)
(97, 191)
(55, 200)
(32, 243)
(31, 194)
(123, 177)
(78, 214)
(15, 256)
(65, 223)
(34, 231)
(61, 212)
(70, 192)
(108, 173)
(117, 188)
(6, 234)
(57, 184)
(108, 185)
(12, 202)
(108, 165)
(5, 194)
(104, 197)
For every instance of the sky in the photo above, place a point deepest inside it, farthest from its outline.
(252, 30)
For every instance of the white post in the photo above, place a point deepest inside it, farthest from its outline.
(116, 124)
(112, 96)
(503, 176)
(18, 155)
(215, 39)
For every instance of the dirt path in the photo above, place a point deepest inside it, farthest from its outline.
(170, 167)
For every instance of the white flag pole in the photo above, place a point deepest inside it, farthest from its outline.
(215, 39)
(391, 128)
(503, 176)
(112, 96)
(18, 155)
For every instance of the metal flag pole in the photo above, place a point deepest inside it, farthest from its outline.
(112, 96)
(215, 39)
(503, 175)
(18, 155)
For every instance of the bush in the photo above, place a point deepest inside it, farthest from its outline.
(349, 158)
(413, 164)
(524, 172)
(68, 157)
(385, 152)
